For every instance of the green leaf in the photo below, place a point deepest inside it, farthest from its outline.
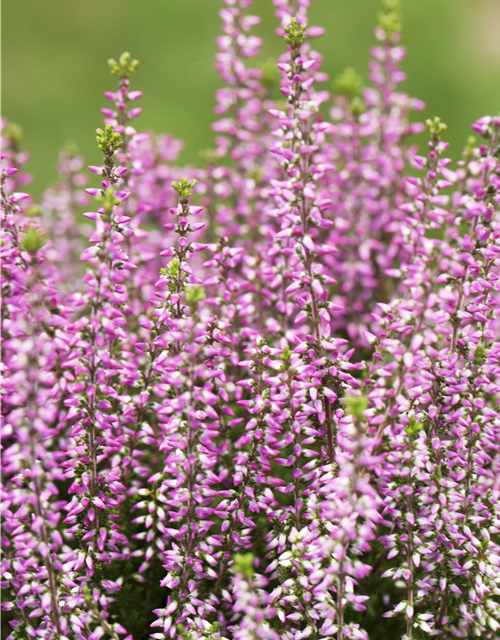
(172, 268)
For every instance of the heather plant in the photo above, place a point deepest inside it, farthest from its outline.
(257, 399)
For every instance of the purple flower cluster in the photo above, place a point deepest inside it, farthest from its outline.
(257, 400)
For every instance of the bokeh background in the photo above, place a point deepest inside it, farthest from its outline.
(54, 69)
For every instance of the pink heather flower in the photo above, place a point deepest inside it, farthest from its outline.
(257, 400)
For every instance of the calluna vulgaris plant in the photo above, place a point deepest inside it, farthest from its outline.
(258, 400)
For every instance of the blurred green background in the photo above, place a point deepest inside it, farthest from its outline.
(54, 64)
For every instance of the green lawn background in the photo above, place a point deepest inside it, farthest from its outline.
(54, 68)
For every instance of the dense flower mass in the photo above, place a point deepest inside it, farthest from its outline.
(257, 400)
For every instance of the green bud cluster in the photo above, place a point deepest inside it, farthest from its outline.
(436, 127)
(184, 189)
(390, 18)
(295, 36)
(125, 66)
(348, 83)
(109, 142)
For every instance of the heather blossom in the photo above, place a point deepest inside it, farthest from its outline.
(258, 399)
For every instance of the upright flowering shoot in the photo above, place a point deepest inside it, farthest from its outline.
(189, 424)
(300, 212)
(123, 70)
(390, 19)
(178, 269)
(31, 431)
(99, 404)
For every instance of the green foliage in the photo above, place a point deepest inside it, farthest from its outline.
(384, 594)
(270, 74)
(108, 200)
(195, 294)
(286, 355)
(295, 36)
(390, 18)
(33, 240)
(357, 106)
(243, 563)
(108, 140)
(8, 615)
(356, 405)
(208, 155)
(71, 147)
(125, 66)
(172, 268)
(480, 354)
(134, 603)
(470, 146)
(34, 210)
(348, 83)
(413, 428)
(184, 189)
(14, 133)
